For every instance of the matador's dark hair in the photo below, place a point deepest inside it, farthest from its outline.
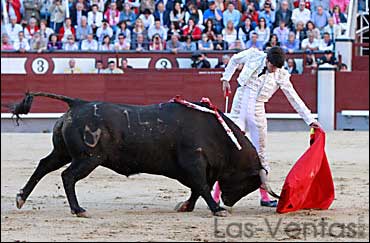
(276, 56)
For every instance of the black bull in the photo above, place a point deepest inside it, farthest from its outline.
(165, 139)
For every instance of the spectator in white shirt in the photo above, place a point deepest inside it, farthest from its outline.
(13, 29)
(281, 31)
(301, 14)
(157, 29)
(326, 43)
(122, 44)
(44, 30)
(99, 67)
(310, 43)
(333, 29)
(94, 17)
(89, 44)
(104, 30)
(21, 44)
(70, 44)
(147, 18)
(112, 69)
(99, 3)
(122, 28)
(106, 44)
(229, 32)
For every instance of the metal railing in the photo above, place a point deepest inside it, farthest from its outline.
(358, 26)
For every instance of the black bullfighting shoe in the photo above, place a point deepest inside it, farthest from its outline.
(271, 204)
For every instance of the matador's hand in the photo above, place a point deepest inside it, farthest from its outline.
(315, 125)
(226, 87)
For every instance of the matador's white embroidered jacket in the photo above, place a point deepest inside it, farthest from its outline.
(265, 85)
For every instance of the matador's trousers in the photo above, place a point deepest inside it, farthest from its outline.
(248, 113)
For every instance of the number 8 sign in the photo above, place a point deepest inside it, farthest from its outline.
(163, 63)
(40, 66)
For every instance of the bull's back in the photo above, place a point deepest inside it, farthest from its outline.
(145, 139)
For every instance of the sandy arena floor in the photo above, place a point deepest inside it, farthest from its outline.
(140, 208)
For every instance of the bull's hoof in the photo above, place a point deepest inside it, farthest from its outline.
(221, 213)
(229, 209)
(183, 207)
(81, 213)
(19, 201)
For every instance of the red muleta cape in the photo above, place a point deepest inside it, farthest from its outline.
(309, 184)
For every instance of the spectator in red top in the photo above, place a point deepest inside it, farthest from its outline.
(31, 28)
(193, 30)
(67, 30)
(14, 9)
(251, 13)
(307, 4)
(112, 15)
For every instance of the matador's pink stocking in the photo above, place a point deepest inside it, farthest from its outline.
(264, 196)
(216, 192)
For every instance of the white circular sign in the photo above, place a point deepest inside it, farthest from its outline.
(163, 63)
(40, 66)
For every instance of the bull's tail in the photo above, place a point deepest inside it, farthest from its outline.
(24, 106)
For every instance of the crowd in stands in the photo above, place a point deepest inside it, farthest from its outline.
(99, 67)
(173, 25)
(200, 60)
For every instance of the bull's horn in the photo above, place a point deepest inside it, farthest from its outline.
(265, 185)
(271, 192)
